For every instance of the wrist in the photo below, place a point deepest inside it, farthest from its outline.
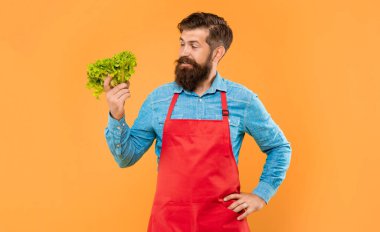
(117, 116)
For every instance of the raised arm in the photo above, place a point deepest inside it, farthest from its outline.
(126, 144)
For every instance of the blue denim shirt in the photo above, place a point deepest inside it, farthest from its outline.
(247, 114)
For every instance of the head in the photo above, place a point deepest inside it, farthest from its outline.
(204, 40)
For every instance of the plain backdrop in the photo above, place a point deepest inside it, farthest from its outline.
(314, 64)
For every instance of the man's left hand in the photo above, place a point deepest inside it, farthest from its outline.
(245, 201)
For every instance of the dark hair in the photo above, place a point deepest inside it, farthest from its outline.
(219, 31)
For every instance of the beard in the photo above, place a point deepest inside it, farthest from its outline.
(190, 77)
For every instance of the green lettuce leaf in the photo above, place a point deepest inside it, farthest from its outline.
(120, 67)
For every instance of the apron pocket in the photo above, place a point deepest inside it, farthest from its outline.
(173, 216)
(215, 216)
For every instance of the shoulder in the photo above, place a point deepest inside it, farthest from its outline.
(238, 91)
(163, 92)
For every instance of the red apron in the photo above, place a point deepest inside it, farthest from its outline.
(196, 171)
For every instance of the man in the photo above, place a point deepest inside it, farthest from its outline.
(199, 121)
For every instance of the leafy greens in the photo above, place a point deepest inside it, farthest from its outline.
(120, 67)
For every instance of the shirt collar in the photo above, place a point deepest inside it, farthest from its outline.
(217, 84)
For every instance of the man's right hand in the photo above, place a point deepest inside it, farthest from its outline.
(116, 97)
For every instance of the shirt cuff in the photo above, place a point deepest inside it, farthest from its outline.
(265, 191)
(116, 125)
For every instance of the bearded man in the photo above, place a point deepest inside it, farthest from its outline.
(199, 121)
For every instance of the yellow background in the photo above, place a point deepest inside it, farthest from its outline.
(314, 64)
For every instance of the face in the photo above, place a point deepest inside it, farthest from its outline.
(194, 63)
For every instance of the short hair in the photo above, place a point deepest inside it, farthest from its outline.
(219, 31)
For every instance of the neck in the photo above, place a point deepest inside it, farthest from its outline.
(205, 85)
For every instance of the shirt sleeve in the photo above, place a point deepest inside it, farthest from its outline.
(271, 140)
(126, 144)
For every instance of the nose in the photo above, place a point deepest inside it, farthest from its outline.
(184, 51)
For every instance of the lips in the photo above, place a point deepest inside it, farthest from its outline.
(186, 66)
(185, 60)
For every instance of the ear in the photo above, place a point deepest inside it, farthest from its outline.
(218, 53)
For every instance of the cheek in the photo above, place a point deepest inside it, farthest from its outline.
(201, 57)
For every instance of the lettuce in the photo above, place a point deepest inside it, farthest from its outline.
(120, 67)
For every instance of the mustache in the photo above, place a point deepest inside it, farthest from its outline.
(186, 60)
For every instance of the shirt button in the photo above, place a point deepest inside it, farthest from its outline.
(123, 124)
(200, 99)
(117, 145)
(118, 127)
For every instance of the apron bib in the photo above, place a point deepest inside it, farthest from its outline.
(196, 171)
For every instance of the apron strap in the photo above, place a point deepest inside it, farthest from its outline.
(223, 97)
(225, 111)
(174, 100)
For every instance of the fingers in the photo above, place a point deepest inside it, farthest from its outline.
(128, 84)
(246, 213)
(236, 204)
(232, 196)
(106, 84)
(120, 86)
(243, 206)
(124, 97)
(239, 204)
(122, 92)
(240, 207)
(115, 90)
(246, 203)
(119, 96)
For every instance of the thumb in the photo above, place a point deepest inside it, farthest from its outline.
(106, 85)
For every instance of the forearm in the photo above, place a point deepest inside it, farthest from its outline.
(272, 141)
(274, 171)
(124, 146)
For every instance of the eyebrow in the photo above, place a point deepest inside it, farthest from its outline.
(191, 41)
